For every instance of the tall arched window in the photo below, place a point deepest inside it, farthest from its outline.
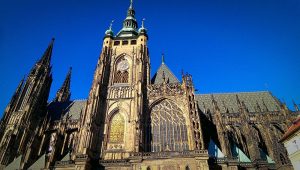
(117, 127)
(168, 128)
(121, 73)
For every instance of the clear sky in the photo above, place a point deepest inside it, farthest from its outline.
(227, 45)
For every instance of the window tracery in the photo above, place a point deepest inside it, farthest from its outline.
(121, 71)
(117, 127)
(168, 128)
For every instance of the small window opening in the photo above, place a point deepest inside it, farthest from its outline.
(117, 43)
(133, 42)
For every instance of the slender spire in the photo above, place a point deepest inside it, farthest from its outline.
(64, 93)
(111, 24)
(143, 30)
(295, 106)
(17, 93)
(46, 58)
(131, 4)
(110, 32)
(143, 26)
(129, 24)
(162, 58)
(164, 77)
(20, 85)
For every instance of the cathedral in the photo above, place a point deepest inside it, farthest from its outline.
(132, 121)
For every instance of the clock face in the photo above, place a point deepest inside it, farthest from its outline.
(123, 65)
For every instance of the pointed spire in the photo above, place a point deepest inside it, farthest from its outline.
(131, 4)
(110, 32)
(111, 24)
(143, 30)
(143, 25)
(164, 77)
(20, 85)
(129, 24)
(162, 58)
(295, 106)
(46, 58)
(64, 93)
(17, 93)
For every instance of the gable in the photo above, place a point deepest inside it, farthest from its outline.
(164, 70)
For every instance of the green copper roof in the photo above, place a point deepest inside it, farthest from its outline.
(39, 164)
(227, 102)
(213, 150)
(237, 152)
(15, 164)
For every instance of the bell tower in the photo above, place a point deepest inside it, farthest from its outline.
(110, 124)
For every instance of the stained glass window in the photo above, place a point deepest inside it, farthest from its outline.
(168, 128)
(117, 127)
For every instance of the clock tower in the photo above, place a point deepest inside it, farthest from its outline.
(110, 123)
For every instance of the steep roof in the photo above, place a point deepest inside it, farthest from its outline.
(71, 108)
(39, 164)
(254, 101)
(15, 164)
(164, 70)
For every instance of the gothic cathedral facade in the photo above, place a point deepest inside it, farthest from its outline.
(131, 121)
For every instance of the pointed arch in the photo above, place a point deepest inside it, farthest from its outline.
(117, 128)
(236, 137)
(168, 129)
(261, 141)
(121, 70)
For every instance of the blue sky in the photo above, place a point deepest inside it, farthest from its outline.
(227, 45)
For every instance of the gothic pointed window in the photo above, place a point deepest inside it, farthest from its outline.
(121, 73)
(168, 128)
(117, 127)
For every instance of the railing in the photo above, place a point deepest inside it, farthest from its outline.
(171, 89)
(235, 160)
(170, 154)
(116, 92)
(82, 156)
(69, 124)
(63, 163)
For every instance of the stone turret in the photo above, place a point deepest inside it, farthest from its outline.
(64, 93)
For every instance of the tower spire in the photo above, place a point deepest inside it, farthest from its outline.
(110, 32)
(295, 106)
(162, 58)
(64, 93)
(129, 24)
(131, 4)
(45, 60)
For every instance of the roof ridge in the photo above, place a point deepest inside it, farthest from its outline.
(233, 92)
